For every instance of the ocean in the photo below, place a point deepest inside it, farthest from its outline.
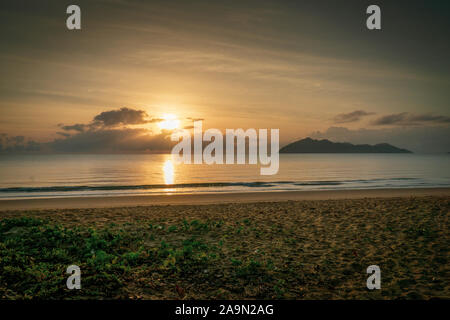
(51, 176)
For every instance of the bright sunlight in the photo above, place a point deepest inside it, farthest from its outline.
(169, 122)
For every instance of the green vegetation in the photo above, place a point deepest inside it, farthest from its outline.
(35, 254)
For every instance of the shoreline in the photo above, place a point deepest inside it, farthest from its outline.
(214, 198)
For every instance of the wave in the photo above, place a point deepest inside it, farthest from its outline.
(256, 184)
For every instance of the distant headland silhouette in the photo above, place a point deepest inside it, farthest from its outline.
(309, 145)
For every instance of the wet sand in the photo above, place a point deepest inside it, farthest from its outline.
(193, 199)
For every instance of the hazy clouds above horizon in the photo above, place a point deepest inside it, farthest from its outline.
(306, 67)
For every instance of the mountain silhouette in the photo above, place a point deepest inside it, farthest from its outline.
(309, 145)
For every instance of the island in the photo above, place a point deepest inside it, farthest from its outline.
(309, 145)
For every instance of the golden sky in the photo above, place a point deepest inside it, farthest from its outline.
(302, 67)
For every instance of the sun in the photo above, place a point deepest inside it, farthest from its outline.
(169, 122)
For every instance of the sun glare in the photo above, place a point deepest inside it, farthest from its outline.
(170, 122)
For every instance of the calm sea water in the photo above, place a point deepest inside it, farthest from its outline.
(43, 176)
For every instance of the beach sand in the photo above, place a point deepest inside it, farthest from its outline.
(311, 245)
(213, 198)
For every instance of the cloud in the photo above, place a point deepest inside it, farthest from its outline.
(17, 144)
(112, 118)
(124, 140)
(195, 119)
(417, 139)
(123, 116)
(408, 119)
(75, 127)
(352, 116)
(64, 134)
(189, 127)
(108, 132)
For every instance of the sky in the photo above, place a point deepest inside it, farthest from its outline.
(308, 68)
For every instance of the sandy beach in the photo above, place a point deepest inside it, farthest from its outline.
(312, 245)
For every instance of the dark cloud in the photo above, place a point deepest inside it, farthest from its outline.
(112, 118)
(75, 127)
(106, 133)
(352, 116)
(17, 144)
(122, 140)
(195, 119)
(64, 134)
(123, 116)
(408, 119)
(125, 140)
(390, 119)
(429, 118)
(418, 139)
